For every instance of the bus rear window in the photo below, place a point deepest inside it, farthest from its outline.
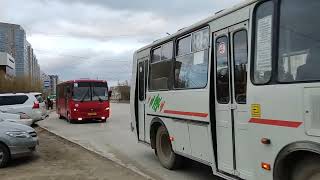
(299, 45)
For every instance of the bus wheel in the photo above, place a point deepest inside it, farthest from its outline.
(60, 117)
(307, 169)
(167, 157)
(69, 118)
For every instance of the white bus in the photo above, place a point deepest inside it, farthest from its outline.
(238, 91)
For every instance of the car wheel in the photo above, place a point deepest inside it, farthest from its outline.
(166, 155)
(4, 156)
(307, 169)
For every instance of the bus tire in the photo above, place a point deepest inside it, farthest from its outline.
(4, 155)
(307, 169)
(166, 155)
(60, 117)
(69, 119)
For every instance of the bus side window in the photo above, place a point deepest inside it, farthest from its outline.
(69, 93)
(263, 43)
(191, 65)
(240, 56)
(141, 83)
(161, 67)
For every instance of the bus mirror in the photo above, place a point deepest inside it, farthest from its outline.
(109, 93)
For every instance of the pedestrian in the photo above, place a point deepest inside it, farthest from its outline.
(49, 103)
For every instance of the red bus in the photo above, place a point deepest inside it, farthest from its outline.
(80, 100)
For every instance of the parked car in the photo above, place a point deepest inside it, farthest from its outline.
(21, 118)
(29, 104)
(16, 140)
(42, 104)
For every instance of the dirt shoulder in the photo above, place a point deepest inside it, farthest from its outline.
(58, 159)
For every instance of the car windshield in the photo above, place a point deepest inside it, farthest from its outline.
(39, 98)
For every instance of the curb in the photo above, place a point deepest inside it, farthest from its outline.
(109, 157)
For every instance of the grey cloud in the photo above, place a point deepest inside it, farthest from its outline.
(163, 7)
(55, 18)
(138, 21)
(90, 64)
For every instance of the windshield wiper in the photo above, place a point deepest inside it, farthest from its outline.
(84, 96)
(96, 95)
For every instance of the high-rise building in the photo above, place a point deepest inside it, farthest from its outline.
(45, 81)
(13, 41)
(7, 65)
(49, 83)
(36, 71)
(54, 80)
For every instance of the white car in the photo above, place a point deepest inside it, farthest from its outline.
(17, 118)
(42, 104)
(30, 105)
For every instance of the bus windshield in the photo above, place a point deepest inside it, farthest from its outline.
(84, 91)
(81, 92)
(99, 92)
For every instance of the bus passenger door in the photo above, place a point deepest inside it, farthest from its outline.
(223, 103)
(240, 110)
(142, 82)
(231, 57)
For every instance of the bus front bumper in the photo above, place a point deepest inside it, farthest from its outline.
(84, 116)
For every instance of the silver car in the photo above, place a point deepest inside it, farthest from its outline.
(17, 118)
(16, 140)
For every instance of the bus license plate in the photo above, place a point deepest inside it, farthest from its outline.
(92, 114)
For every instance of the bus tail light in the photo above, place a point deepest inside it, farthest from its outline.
(266, 166)
(36, 105)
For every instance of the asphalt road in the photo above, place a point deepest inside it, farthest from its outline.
(58, 159)
(115, 141)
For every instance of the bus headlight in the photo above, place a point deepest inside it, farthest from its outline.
(107, 109)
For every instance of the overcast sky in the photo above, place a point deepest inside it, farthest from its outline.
(96, 38)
